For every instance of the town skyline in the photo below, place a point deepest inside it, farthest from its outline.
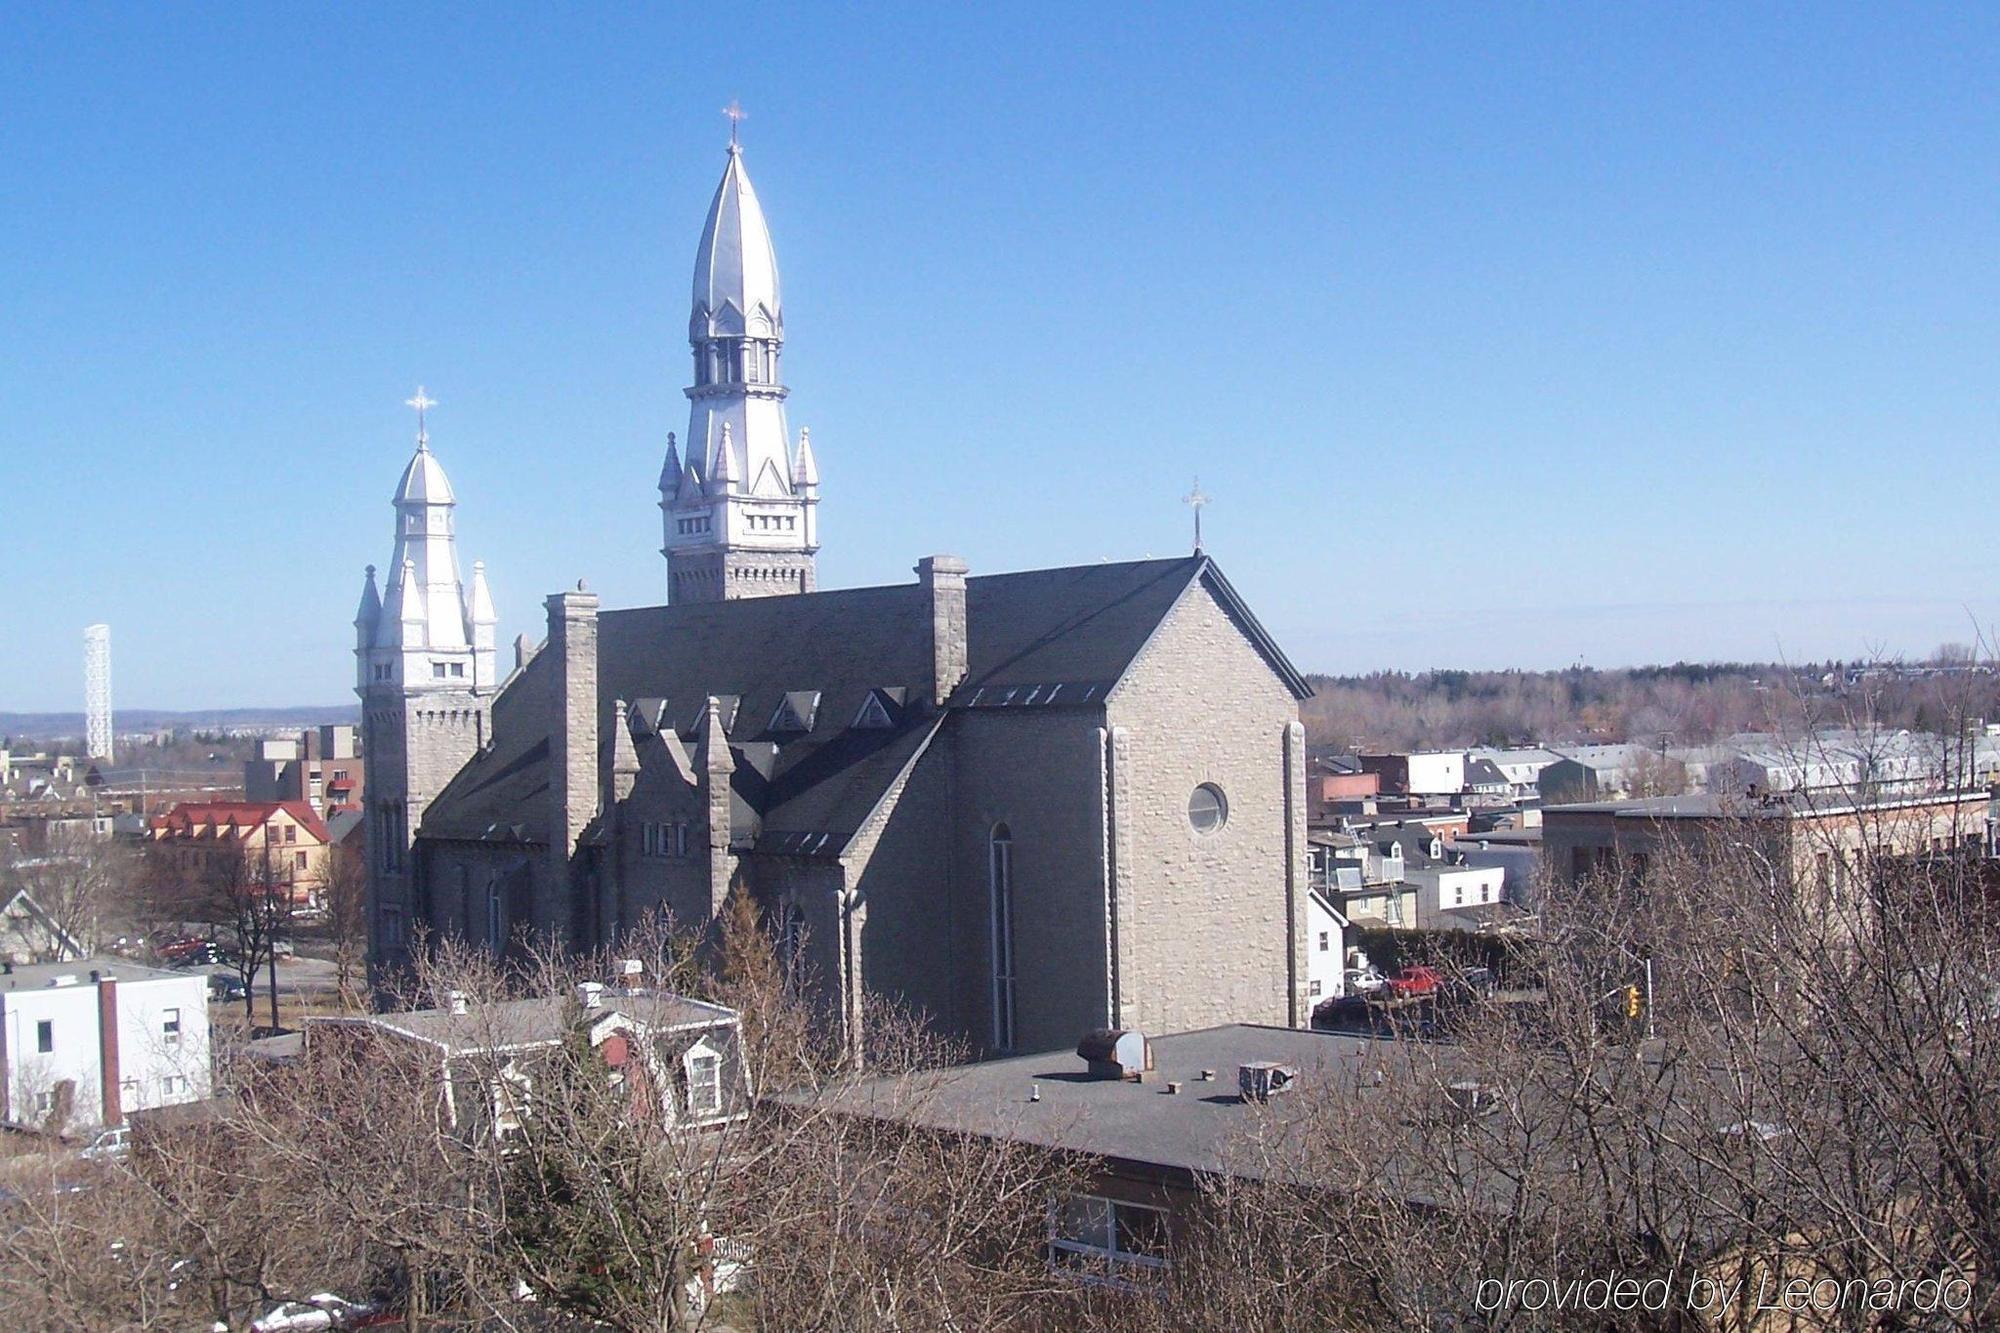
(1538, 377)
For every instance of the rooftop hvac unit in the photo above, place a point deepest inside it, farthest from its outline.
(1116, 1053)
(1261, 1081)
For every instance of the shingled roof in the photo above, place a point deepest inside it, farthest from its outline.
(1052, 638)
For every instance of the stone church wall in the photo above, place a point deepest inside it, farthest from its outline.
(1037, 773)
(1204, 936)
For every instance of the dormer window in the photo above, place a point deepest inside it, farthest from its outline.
(703, 1065)
(879, 710)
(796, 712)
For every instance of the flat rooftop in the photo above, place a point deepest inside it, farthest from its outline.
(40, 976)
(1193, 1130)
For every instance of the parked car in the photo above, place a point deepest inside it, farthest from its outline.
(182, 946)
(225, 988)
(1343, 1011)
(1414, 981)
(1363, 981)
(325, 1310)
(283, 949)
(1474, 983)
(109, 1145)
(207, 955)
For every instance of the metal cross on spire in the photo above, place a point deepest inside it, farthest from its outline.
(737, 115)
(1194, 500)
(422, 402)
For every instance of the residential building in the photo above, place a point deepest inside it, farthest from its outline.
(28, 934)
(1813, 841)
(1333, 782)
(1326, 947)
(1608, 772)
(1520, 766)
(1454, 896)
(323, 768)
(1515, 852)
(1423, 773)
(1485, 780)
(84, 1043)
(279, 843)
(686, 1054)
(1177, 1116)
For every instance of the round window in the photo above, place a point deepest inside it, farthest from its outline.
(1207, 808)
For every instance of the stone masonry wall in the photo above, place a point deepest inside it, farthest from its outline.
(1206, 935)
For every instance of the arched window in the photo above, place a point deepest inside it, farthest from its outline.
(1000, 893)
(792, 941)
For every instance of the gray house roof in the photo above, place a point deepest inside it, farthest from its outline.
(1050, 638)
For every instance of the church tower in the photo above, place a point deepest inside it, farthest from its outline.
(739, 503)
(424, 654)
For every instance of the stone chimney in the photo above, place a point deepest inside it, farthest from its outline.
(573, 758)
(942, 578)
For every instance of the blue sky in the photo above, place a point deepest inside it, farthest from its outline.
(1501, 335)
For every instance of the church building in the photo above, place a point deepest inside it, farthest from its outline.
(1027, 804)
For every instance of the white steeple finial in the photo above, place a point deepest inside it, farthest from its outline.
(1196, 499)
(725, 462)
(737, 115)
(422, 402)
(805, 469)
(670, 470)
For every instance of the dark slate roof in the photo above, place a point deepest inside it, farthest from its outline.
(1040, 639)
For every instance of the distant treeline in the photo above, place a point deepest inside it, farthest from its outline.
(1687, 703)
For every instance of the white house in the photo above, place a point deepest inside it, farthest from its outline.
(1326, 947)
(688, 1052)
(1443, 887)
(85, 1043)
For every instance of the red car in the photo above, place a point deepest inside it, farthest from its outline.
(1415, 980)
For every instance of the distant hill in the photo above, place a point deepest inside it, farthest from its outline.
(41, 726)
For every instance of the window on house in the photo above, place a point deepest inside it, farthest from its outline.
(299, 861)
(174, 1085)
(704, 1075)
(1312, 990)
(45, 1103)
(291, 833)
(45, 1036)
(1323, 937)
(1000, 894)
(170, 1027)
(458, 670)
(1108, 1238)
(437, 671)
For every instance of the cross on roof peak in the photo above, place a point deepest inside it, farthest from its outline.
(737, 115)
(1195, 500)
(423, 402)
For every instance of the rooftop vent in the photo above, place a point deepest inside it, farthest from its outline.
(591, 994)
(1263, 1080)
(66, 979)
(632, 971)
(455, 1001)
(1117, 1053)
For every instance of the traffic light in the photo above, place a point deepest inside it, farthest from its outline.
(1631, 1002)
